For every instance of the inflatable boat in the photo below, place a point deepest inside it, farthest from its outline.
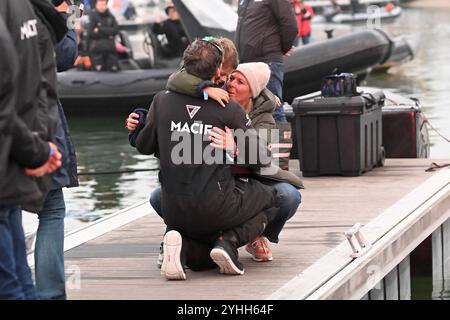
(139, 81)
(370, 16)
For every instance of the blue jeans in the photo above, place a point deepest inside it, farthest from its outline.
(290, 199)
(276, 86)
(305, 40)
(49, 249)
(15, 274)
(155, 201)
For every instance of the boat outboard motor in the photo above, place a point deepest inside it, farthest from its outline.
(329, 33)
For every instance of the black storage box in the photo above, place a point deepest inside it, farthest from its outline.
(339, 135)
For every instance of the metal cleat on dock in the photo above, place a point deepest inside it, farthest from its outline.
(357, 241)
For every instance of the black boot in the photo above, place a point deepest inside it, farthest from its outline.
(225, 255)
(225, 252)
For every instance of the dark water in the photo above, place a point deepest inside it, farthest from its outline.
(102, 147)
(102, 144)
(427, 77)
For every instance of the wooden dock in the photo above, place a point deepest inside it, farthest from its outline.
(121, 264)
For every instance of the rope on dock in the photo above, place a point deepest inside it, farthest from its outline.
(435, 166)
(93, 173)
(436, 130)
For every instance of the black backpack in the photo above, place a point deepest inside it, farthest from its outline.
(339, 85)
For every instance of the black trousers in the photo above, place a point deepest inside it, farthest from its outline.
(105, 61)
(256, 206)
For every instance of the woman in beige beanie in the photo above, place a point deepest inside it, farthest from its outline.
(247, 82)
(247, 86)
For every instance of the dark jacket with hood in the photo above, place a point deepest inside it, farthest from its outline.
(177, 40)
(107, 28)
(34, 121)
(260, 115)
(199, 195)
(266, 30)
(56, 41)
(66, 176)
(8, 95)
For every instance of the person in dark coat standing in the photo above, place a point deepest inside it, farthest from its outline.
(30, 154)
(8, 92)
(173, 30)
(49, 248)
(102, 31)
(354, 5)
(265, 32)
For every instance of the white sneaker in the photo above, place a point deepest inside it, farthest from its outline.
(171, 267)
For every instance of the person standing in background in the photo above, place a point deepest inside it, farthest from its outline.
(303, 13)
(49, 248)
(102, 30)
(30, 154)
(172, 28)
(354, 4)
(265, 32)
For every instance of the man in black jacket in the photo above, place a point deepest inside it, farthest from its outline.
(214, 213)
(265, 32)
(176, 37)
(34, 122)
(30, 126)
(49, 247)
(102, 30)
(8, 70)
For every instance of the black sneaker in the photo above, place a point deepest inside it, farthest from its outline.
(172, 267)
(226, 257)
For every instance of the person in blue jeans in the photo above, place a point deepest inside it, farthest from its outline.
(13, 258)
(275, 85)
(49, 248)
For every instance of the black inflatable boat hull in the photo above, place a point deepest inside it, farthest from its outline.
(355, 53)
(85, 92)
(358, 52)
(307, 65)
(363, 17)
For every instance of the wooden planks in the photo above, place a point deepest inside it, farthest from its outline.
(122, 264)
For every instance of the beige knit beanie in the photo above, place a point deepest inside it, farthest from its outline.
(257, 75)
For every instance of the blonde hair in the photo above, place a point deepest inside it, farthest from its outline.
(230, 55)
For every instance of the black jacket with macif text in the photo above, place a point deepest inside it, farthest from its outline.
(266, 30)
(199, 195)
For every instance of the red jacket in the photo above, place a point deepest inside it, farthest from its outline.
(303, 23)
